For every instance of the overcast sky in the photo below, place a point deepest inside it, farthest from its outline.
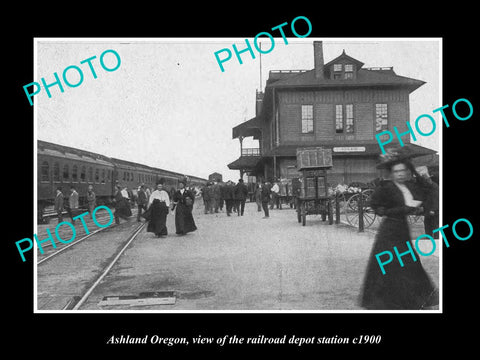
(168, 105)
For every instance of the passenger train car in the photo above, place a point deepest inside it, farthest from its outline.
(63, 166)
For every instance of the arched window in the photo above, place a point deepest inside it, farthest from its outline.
(56, 171)
(45, 172)
(83, 174)
(74, 173)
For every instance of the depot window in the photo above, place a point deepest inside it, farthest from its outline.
(381, 117)
(307, 119)
(348, 71)
(337, 71)
(344, 119)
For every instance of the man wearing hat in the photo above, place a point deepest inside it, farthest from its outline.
(241, 193)
(58, 205)
(229, 196)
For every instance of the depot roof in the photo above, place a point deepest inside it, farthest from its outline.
(364, 77)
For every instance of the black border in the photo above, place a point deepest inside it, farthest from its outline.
(401, 333)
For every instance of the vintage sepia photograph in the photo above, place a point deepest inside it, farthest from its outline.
(233, 175)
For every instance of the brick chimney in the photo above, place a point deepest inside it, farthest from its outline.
(318, 59)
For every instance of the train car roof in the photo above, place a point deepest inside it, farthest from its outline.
(130, 164)
(65, 152)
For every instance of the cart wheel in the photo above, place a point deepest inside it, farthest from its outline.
(351, 211)
(304, 214)
(369, 215)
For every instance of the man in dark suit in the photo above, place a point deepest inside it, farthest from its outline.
(228, 196)
(241, 193)
(265, 196)
(58, 204)
(141, 201)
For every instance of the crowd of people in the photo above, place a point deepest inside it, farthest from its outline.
(233, 196)
(71, 203)
(154, 205)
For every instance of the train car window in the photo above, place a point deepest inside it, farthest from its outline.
(103, 176)
(97, 175)
(65, 172)
(131, 176)
(90, 174)
(83, 174)
(56, 171)
(124, 175)
(74, 173)
(45, 172)
(109, 175)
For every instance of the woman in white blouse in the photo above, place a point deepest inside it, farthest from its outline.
(159, 204)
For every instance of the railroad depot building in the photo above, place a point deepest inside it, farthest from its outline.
(338, 105)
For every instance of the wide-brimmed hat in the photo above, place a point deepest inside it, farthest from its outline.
(161, 181)
(395, 155)
(183, 181)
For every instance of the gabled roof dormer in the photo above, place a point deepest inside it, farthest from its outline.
(343, 67)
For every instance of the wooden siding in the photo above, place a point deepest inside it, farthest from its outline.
(363, 100)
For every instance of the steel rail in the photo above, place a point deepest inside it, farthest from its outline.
(108, 268)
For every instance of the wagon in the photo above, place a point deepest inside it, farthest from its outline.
(311, 190)
(360, 195)
(351, 207)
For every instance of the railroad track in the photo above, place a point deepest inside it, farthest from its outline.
(87, 293)
(88, 264)
(47, 247)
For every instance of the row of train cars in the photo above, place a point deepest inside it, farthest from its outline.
(64, 167)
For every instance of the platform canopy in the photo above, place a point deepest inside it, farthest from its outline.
(252, 127)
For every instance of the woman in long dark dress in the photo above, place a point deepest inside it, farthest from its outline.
(400, 288)
(158, 204)
(183, 200)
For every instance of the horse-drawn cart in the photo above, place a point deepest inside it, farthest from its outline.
(311, 190)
